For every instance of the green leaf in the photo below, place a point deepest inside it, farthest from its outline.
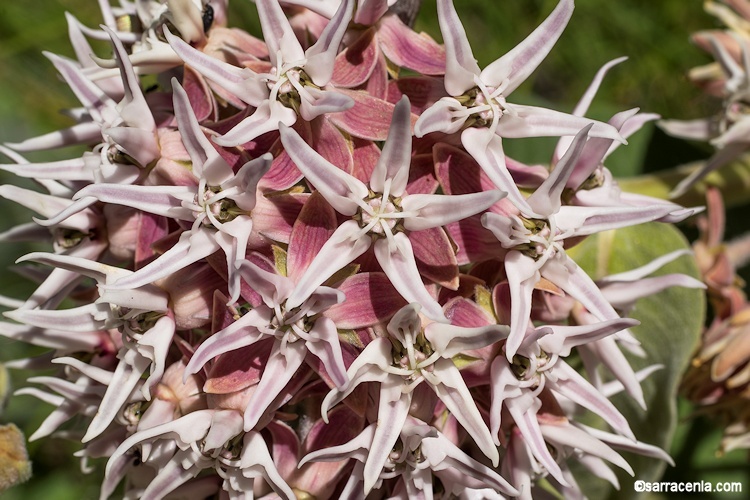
(671, 323)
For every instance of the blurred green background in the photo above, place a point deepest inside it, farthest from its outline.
(654, 34)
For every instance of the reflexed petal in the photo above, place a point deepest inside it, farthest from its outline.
(394, 162)
(345, 245)
(336, 186)
(278, 34)
(399, 265)
(207, 163)
(279, 369)
(370, 118)
(434, 210)
(523, 274)
(321, 56)
(435, 255)
(355, 63)
(242, 82)
(393, 409)
(370, 299)
(519, 63)
(314, 226)
(450, 340)
(241, 333)
(460, 65)
(447, 383)
(324, 344)
(266, 118)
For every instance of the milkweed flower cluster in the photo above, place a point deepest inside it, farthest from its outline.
(728, 78)
(303, 267)
(719, 377)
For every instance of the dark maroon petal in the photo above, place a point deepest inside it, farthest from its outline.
(410, 49)
(218, 262)
(422, 91)
(313, 227)
(200, 96)
(354, 65)
(474, 242)
(377, 84)
(370, 118)
(151, 228)
(365, 155)
(283, 173)
(370, 299)
(273, 217)
(467, 313)
(466, 288)
(422, 175)
(457, 171)
(221, 316)
(328, 141)
(436, 259)
(320, 478)
(286, 447)
(238, 369)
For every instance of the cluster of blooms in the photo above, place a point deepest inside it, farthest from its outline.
(719, 378)
(727, 78)
(303, 267)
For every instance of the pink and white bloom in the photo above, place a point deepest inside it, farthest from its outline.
(477, 98)
(413, 353)
(382, 213)
(536, 241)
(420, 452)
(218, 209)
(295, 84)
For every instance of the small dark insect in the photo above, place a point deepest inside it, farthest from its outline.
(208, 17)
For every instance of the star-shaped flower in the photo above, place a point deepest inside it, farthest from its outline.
(382, 213)
(411, 355)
